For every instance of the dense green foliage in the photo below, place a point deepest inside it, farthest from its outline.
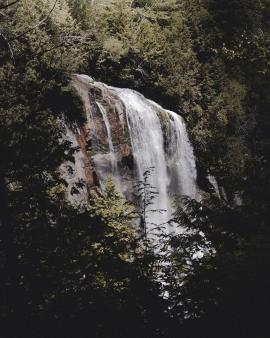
(90, 272)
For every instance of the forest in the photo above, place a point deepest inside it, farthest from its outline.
(92, 270)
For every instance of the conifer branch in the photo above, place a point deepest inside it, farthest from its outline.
(38, 24)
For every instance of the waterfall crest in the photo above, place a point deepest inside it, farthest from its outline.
(130, 134)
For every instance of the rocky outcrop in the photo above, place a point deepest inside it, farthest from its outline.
(90, 140)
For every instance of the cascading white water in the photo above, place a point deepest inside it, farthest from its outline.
(148, 150)
(110, 142)
(181, 157)
(212, 180)
(158, 139)
(174, 165)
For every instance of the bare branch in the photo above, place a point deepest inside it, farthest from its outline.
(9, 4)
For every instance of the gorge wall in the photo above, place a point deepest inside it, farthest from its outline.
(124, 135)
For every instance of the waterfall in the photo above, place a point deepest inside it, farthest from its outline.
(212, 180)
(156, 138)
(110, 142)
(181, 158)
(174, 164)
(148, 149)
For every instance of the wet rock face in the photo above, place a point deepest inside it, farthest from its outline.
(82, 137)
(102, 143)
